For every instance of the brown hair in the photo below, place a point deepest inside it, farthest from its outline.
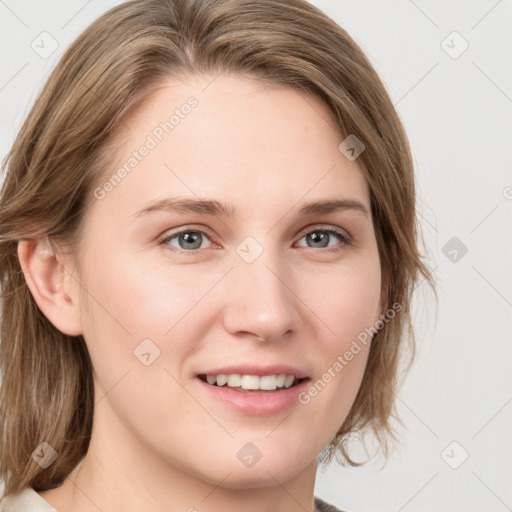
(47, 392)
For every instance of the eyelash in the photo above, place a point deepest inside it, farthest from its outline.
(345, 238)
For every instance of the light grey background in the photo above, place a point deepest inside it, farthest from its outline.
(457, 112)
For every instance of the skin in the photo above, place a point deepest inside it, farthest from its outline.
(158, 441)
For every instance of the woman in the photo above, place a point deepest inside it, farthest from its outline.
(140, 373)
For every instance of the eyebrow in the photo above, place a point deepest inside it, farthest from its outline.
(217, 209)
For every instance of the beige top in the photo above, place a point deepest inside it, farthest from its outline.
(26, 501)
(30, 501)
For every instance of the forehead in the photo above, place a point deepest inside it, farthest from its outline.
(234, 138)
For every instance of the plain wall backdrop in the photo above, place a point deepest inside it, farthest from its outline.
(447, 66)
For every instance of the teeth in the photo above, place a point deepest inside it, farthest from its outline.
(289, 381)
(265, 383)
(234, 381)
(250, 382)
(268, 382)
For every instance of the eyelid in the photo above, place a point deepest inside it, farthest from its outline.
(325, 227)
(172, 233)
(344, 235)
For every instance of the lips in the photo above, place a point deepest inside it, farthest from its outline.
(253, 402)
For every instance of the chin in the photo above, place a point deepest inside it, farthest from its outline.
(265, 472)
(252, 478)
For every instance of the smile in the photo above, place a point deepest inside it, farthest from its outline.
(251, 382)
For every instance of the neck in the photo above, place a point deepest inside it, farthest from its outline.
(119, 473)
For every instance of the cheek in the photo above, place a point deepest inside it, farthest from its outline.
(348, 305)
(140, 305)
(346, 299)
(135, 349)
(139, 299)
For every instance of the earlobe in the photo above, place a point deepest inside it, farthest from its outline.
(45, 275)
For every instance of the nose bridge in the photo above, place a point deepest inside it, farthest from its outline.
(261, 298)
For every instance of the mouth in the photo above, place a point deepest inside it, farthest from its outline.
(252, 383)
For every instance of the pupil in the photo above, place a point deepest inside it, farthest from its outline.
(319, 236)
(189, 237)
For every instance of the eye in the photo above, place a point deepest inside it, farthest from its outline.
(319, 238)
(190, 241)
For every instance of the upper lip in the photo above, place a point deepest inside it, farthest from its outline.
(253, 369)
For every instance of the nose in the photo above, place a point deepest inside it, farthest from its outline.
(260, 299)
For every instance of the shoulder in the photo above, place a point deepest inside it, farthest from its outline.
(322, 506)
(25, 501)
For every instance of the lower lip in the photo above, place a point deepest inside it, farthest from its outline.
(254, 403)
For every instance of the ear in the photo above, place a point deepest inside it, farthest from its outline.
(50, 283)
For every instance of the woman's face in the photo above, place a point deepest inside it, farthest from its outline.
(264, 285)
